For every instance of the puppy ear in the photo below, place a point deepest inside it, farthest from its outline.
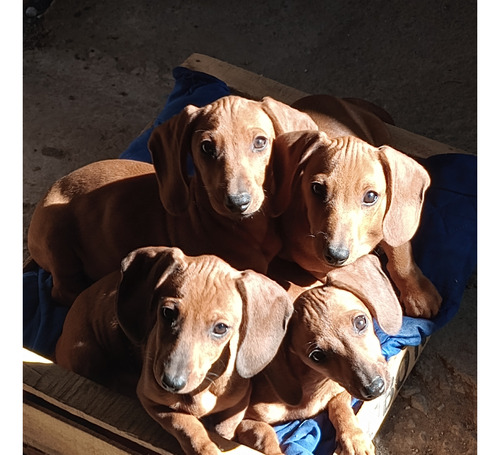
(366, 280)
(290, 153)
(169, 145)
(266, 312)
(141, 273)
(407, 182)
(285, 118)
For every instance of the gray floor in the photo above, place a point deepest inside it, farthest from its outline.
(96, 72)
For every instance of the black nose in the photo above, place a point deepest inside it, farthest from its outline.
(375, 389)
(239, 202)
(336, 255)
(173, 383)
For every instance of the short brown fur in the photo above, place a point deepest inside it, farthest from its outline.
(90, 219)
(348, 197)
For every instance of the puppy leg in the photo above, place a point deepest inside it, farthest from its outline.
(418, 295)
(68, 276)
(227, 421)
(350, 437)
(186, 428)
(67, 285)
(259, 436)
(77, 351)
(85, 357)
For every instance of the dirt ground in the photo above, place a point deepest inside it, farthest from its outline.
(96, 72)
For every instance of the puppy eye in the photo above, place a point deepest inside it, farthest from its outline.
(360, 323)
(259, 143)
(208, 148)
(318, 355)
(319, 190)
(370, 198)
(169, 315)
(220, 329)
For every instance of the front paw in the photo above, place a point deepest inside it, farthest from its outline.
(210, 448)
(356, 444)
(419, 297)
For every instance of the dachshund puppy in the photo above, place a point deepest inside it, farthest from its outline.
(349, 197)
(230, 143)
(330, 354)
(90, 219)
(187, 332)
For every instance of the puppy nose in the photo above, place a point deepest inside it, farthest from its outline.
(238, 202)
(375, 389)
(336, 255)
(173, 383)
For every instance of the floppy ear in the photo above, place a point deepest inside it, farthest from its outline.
(285, 118)
(169, 145)
(290, 153)
(366, 280)
(266, 312)
(141, 273)
(407, 182)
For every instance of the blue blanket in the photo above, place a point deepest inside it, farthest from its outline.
(444, 247)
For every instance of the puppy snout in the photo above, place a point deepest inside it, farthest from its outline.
(238, 202)
(336, 255)
(374, 389)
(173, 383)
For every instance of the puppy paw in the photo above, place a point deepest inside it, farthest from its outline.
(355, 444)
(419, 298)
(208, 449)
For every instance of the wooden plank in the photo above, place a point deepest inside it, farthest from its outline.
(52, 435)
(419, 146)
(256, 86)
(84, 399)
(117, 419)
(244, 82)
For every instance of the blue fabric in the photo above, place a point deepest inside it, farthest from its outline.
(444, 248)
(307, 437)
(42, 318)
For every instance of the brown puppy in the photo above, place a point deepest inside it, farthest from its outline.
(348, 197)
(230, 143)
(93, 217)
(347, 117)
(193, 328)
(329, 354)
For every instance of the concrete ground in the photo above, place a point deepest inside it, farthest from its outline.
(96, 72)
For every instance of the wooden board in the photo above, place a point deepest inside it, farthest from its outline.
(255, 86)
(65, 413)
